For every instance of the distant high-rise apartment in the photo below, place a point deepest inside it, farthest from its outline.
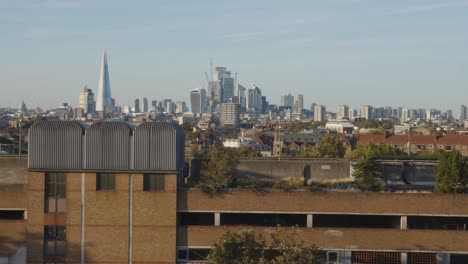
(154, 104)
(366, 111)
(342, 112)
(230, 114)
(137, 105)
(404, 115)
(87, 100)
(351, 113)
(287, 100)
(463, 114)
(198, 101)
(104, 98)
(319, 113)
(299, 104)
(145, 105)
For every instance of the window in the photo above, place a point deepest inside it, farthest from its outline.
(182, 254)
(55, 192)
(154, 182)
(12, 214)
(55, 240)
(105, 182)
(332, 257)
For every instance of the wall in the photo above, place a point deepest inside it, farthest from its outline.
(414, 172)
(313, 169)
(325, 202)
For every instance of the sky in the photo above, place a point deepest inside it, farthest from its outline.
(411, 53)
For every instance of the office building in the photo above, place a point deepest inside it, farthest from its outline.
(463, 114)
(180, 107)
(230, 114)
(287, 100)
(241, 93)
(145, 105)
(104, 98)
(136, 106)
(198, 101)
(254, 99)
(299, 104)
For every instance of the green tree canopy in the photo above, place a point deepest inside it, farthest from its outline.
(249, 248)
(451, 173)
(330, 146)
(372, 149)
(367, 178)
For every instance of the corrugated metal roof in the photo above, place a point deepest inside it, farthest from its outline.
(108, 146)
(159, 146)
(55, 145)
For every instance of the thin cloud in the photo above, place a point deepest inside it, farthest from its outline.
(430, 7)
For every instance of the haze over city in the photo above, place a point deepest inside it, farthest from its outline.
(400, 53)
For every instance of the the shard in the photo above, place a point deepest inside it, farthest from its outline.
(104, 99)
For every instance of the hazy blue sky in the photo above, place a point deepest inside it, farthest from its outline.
(412, 53)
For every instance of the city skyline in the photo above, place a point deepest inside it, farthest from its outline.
(410, 51)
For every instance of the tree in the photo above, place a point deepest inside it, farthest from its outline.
(371, 150)
(286, 249)
(249, 248)
(233, 248)
(451, 173)
(366, 176)
(330, 147)
(217, 168)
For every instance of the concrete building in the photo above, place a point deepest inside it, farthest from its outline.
(230, 114)
(366, 111)
(87, 100)
(405, 115)
(319, 113)
(342, 112)
(121, 200)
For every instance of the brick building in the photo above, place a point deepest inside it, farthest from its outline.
(419, 143)
(109, 193)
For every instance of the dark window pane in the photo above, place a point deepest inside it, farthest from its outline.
(61, 233)
(154, 182)
(50, 177)
(61, 177)
(50, 190)
(105, 181)
(182, 254)
(49, 233)
(61, 190)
